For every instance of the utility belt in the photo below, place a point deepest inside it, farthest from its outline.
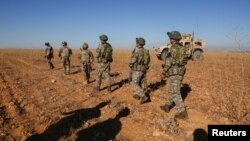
(176, 70)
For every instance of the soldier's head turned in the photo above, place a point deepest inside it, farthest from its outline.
(47, 44)
(174, 35)
(103, 38)
(64, 43)
(140, 42)
(85, 45)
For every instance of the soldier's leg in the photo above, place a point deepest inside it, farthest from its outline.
(170, 92)
(51, 66)
(108, 78)
(130, 76)
(68, 66)
(88, 72)
(84, 71)
(182, 113)
(99, 76)
(64, 65)
(136, 78)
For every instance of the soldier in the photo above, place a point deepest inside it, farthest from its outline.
(104, 59)
(86, 58)
(139, 65)
(174, 69)
(64, 53)
(49, 54)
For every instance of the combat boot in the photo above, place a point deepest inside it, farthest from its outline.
(181, 115)
(165, 108)
(144, 99)
(136, 97)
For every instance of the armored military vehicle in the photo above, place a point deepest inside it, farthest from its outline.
(194, 48)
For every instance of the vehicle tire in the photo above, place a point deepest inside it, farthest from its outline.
(197, 55)
(164, 54)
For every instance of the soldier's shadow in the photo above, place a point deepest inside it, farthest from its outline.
(156, 86)
(103, 131)
(185, 90)
(119, 84)
(72, 121)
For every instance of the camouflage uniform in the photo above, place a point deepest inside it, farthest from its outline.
(174, 69)
(86, 58)
(139, 68)
(104, 58)
(64, 53)
(49, 54)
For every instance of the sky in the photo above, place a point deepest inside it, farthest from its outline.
(31, 23)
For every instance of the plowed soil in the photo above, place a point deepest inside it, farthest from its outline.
(41, 104)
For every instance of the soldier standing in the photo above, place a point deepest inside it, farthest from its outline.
(174, 69)
(49, 54)
(104, 59)
(86, 58)
(139, 65)
(64, 53)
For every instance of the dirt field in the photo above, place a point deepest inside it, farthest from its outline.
(38, 103)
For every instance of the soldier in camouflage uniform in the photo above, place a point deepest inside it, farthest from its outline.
(86, 58)
(104, 59)
(174, 69)
(139, 65)
(49, 54)
(64, 53)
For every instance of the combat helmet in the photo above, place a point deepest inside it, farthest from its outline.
(85, 45)
(140, 41)
(175, 35)
(104, 37)
(64, 43)
(47, 44)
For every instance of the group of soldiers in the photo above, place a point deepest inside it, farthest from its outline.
(173, 68)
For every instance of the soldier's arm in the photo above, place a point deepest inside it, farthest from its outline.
(167, 64)
(91, 56)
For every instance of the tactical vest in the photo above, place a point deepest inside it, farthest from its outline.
(85, 56)
(66, 52)
(104, 53)
(49, 52)
(142, 59)
(178, 60)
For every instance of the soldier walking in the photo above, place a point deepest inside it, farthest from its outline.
(139, 62)
(64, 53)
(86, 58)
(49, 54)
(174, 69)
(104, 59)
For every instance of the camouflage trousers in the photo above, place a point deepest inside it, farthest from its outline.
(50, 64)
(103, 68)
(174, 92)
(86, 68)
(66, 65)
(137, 79)
(130, 75)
